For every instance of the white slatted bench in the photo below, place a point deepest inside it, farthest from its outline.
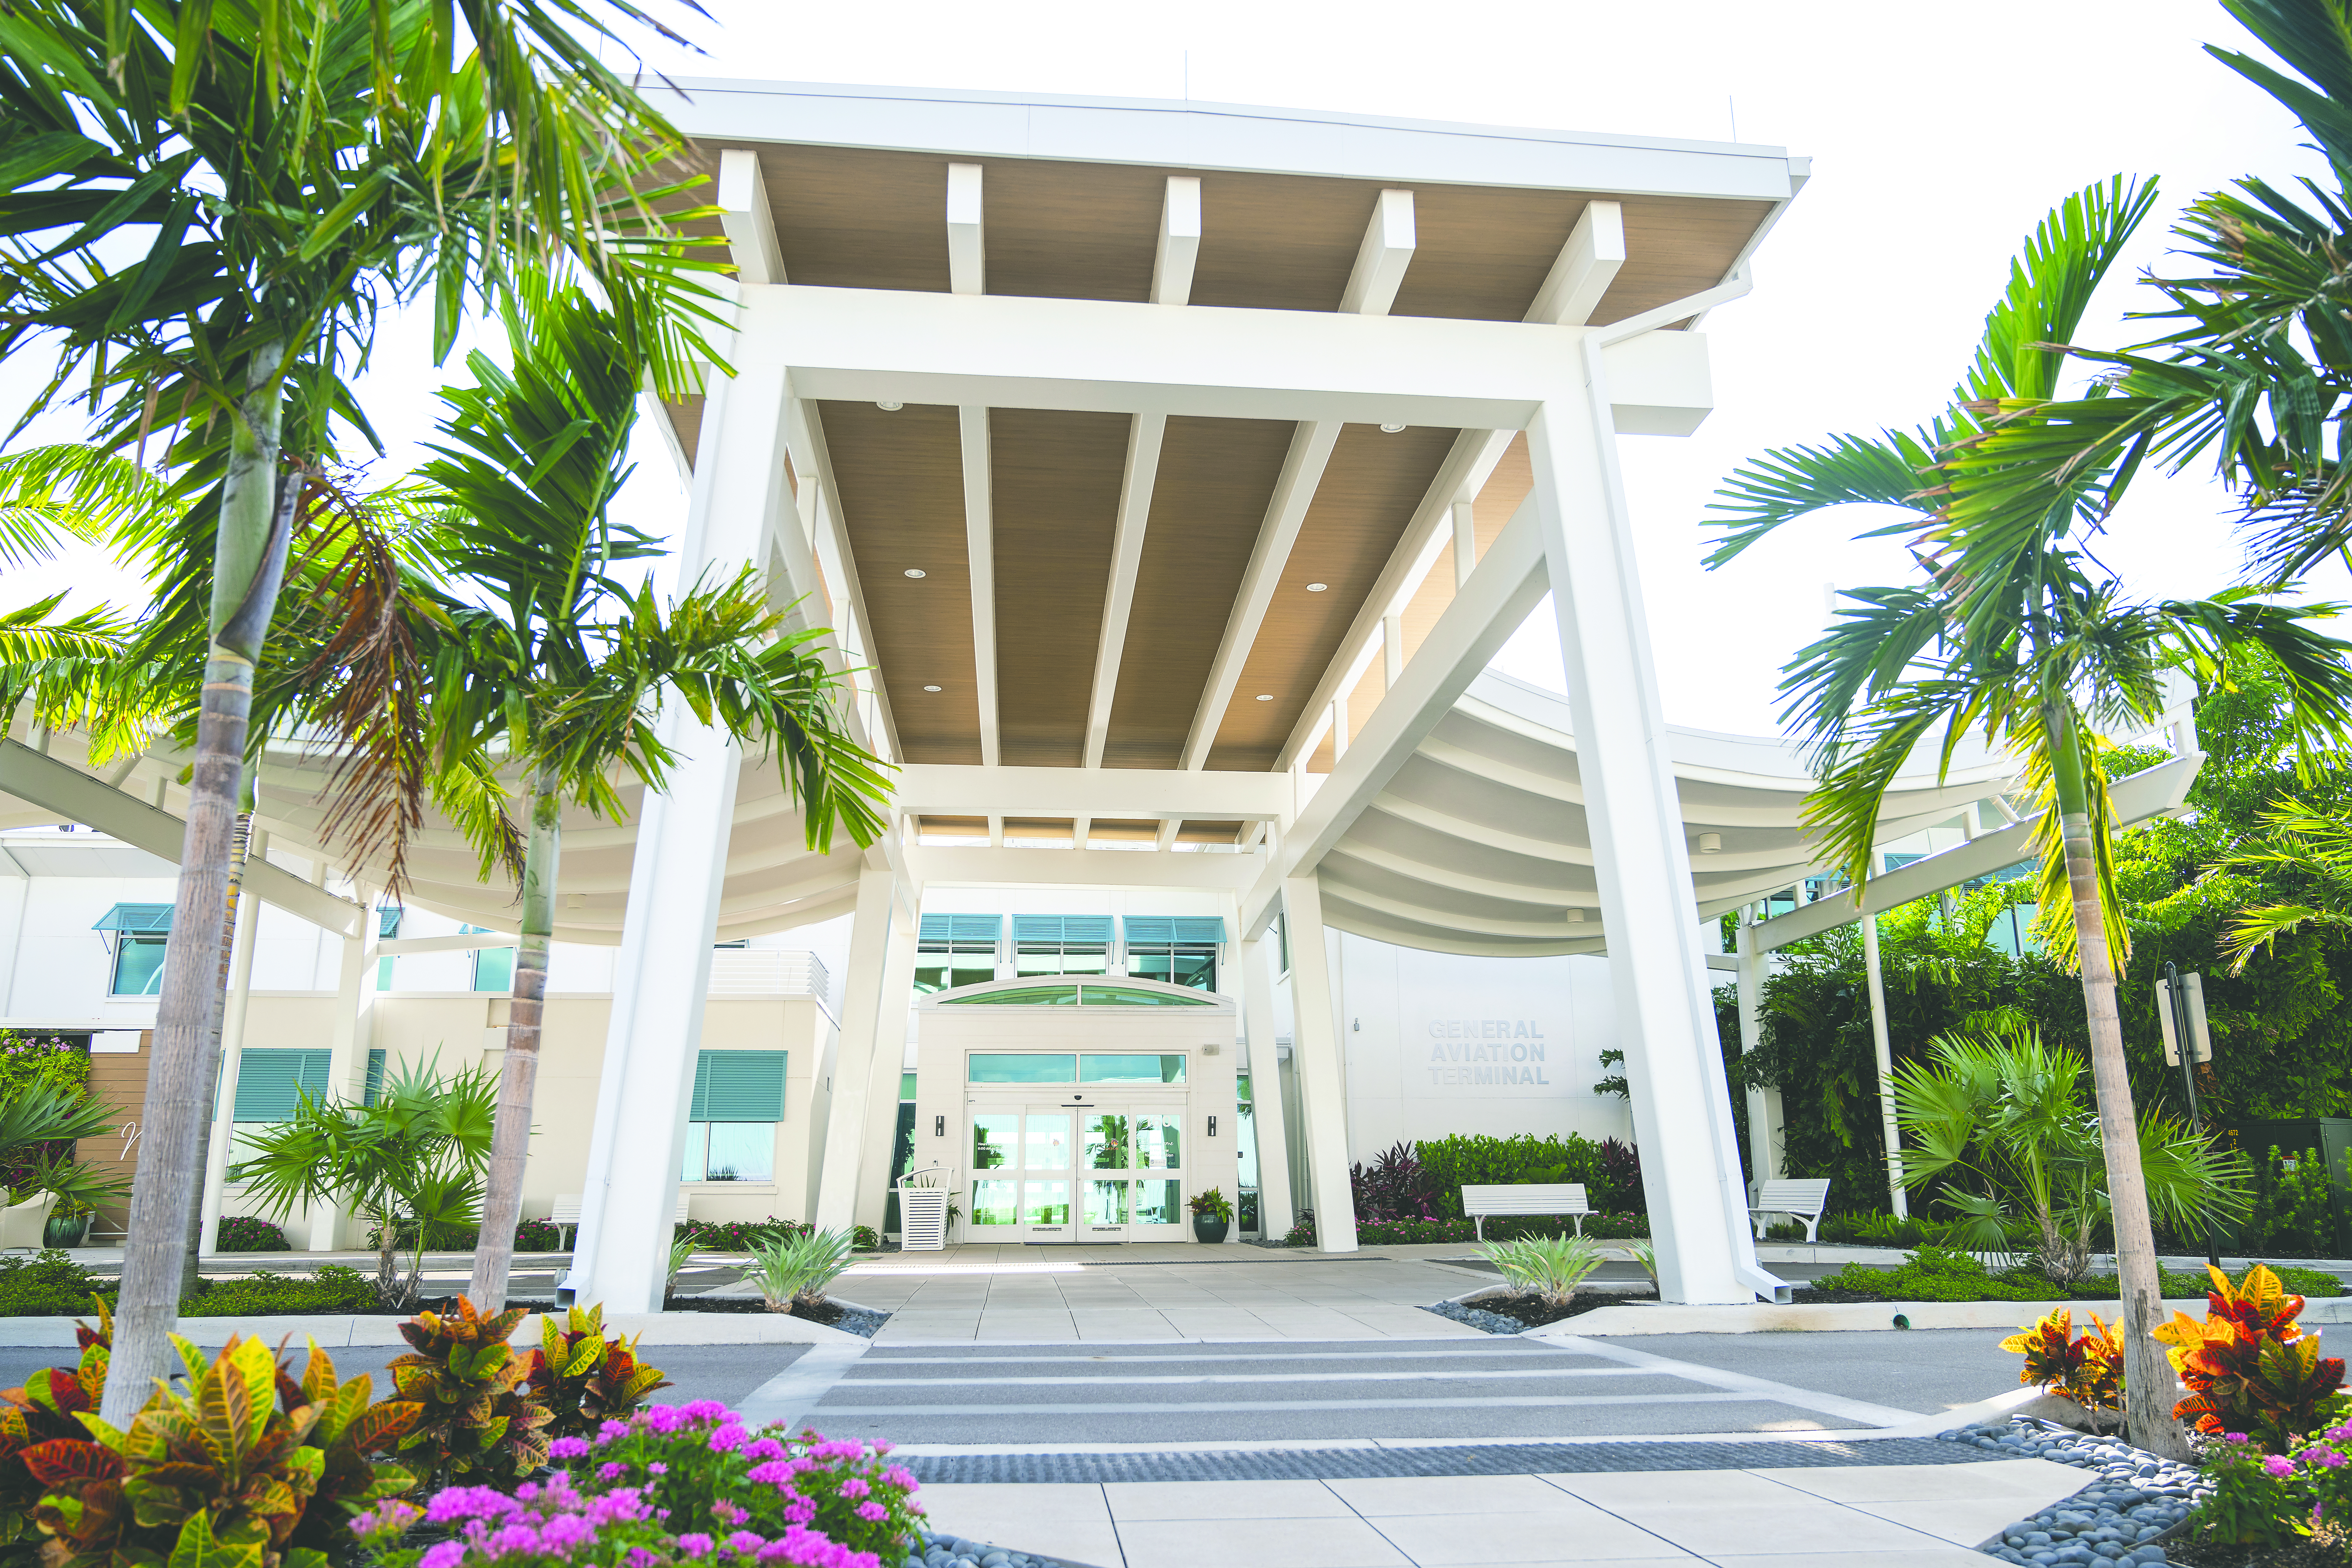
(1801, 1200)
(1525, 1198)
(566, 1214)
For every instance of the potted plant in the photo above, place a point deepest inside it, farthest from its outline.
(1213, 1215)
(69, 1224)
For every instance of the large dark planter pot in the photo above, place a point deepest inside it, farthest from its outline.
(67, 1230)
(1208, 1227)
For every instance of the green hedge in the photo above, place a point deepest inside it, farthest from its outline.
(1478, 1161)
(1501, 1228)
(1941, 1274)
(53, 1285)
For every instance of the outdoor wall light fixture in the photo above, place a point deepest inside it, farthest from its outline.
(1212, 1127)
(916, 572)
(939, 1126)
(889, 405)
(1710, 843)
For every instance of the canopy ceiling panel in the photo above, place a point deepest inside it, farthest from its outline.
(1055, 481)
(1216, 478)
(1374, 484)
(901, 477)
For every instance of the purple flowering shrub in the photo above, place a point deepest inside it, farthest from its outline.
(672, 1484)
(2267, 1499)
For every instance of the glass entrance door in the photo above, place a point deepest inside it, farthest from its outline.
(1090, 1172)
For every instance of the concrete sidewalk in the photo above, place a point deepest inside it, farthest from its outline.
(1882, 1516)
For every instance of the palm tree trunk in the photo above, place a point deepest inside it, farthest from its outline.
(190, 1261)
(2147, 1374)
(248, 565)
(510, 1135)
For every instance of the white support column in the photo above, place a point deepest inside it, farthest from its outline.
(1315, 1052)
(1681, 1103)
(883, 910)
(1897, 1200)
(890, 1059)
(1338, 728)
(1274, 1202)
(346, 1043)
(743, 214)
(661, 979)
(1764, 1145)
(233, 1012)
(1391, 650)
(966, 241)
(1179, 241)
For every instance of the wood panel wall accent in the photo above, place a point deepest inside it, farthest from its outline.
(1216, 476)
(1057, 481)
(118, 1081)
(1368, 494)
(901, 477)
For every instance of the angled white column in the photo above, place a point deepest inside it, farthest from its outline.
(232, 1045)
(884, 908)
(348, 1043)
(1465, 542)
(1144, 436)
(1315, 1052)
(1896, 1199)
(1690, 1163)
(1274, 1202)
(662, 977)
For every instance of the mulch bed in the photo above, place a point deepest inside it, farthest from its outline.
(1529, 1309)
(828, 1313)
(2194, 1553)
(1807, 1296)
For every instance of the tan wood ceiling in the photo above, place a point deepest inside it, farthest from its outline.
(856, 217)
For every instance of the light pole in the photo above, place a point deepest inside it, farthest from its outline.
(2180, 1008)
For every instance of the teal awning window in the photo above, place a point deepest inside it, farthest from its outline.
(963, 928)
(136, 920)
(1061, 930)
(271, 1084)
(387, 920)
(1068, 995)
(1156, 930)
(739, 1086)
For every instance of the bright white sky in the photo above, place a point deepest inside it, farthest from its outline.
(1935, 148)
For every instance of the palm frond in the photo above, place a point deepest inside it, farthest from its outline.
(1791, 482)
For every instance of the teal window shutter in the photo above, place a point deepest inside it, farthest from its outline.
(962, 928)
(269, 1084)
(1155, 929)
(141, 920)
(739, 1086)
(1052, 930)
(374, 1076)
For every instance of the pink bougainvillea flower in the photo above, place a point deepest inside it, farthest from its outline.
(2278, 1465)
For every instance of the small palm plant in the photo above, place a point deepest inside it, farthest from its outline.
(1550, 1266)
(793, 1270)
(1996, 1120)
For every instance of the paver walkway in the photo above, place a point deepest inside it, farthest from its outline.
(1888, 1516)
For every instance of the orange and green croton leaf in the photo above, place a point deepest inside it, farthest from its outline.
(2249, 1367)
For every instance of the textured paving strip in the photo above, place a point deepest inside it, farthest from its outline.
(1493, 1459)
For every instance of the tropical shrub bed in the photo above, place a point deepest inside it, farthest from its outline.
(481, 1453)
(737, 1234)
(1945, 1274)
(1430, 1175)
(250, 1233)
(1501, 1228)
(52, 1285)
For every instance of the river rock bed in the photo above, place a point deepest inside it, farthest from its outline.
(2114, 1523)
(955, 1552)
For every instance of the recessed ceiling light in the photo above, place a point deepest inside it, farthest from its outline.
(931, 688)
(893, 407)
(1316, 587)
(916, 572)
(1385, 430)
(1265, 697)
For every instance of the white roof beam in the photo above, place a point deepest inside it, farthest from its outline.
(980, 550)
(743, 212)
(1179, 241)
(1381, 260)
(1144, 434)
(1587, 264)
(812, 460)
(966, 246)
(950, 789)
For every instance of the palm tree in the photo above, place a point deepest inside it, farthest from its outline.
(2015, 633)
(2304, 852)
(298, 167)
(554, 683)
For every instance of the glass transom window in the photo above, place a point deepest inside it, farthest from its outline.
(1028, 1066)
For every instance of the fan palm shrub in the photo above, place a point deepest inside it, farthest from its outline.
(1552, 1267)
(410, 1162)
(793, 1270)
(1996, 1125)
